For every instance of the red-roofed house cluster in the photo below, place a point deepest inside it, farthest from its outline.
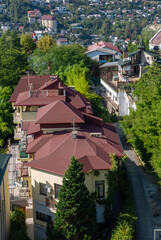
(55, 122)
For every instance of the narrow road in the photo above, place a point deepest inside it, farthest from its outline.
(145, 192)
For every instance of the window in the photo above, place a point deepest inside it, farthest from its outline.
(57, 188)
(43, 217)
(25, 183)
(43, 189)
(100, 189)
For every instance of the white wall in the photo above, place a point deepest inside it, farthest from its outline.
(123, 104)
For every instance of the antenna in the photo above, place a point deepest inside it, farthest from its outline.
(73, 124)
(28, 77)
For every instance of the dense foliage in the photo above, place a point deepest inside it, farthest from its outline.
(13, 63)
(18, 225)
(6, 116)
(143, 126)
(113, 179)
(126, 222)
(76, 213)
(58, 58)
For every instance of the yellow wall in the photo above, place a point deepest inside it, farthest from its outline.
(7, 200)
(4, 188)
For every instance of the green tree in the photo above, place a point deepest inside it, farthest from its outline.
(12, 65)
(10, 40)
(18, 225)
(45, 42)
(143, 126)
(27, 43)
(79, 77)
(58, 57)
(76, 213)
(6, 116)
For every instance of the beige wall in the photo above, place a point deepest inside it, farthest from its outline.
(39, 201)
(49, 179)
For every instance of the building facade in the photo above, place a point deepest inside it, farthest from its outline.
(59, 124)
(4, 198)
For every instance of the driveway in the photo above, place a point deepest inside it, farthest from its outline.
(146, 194)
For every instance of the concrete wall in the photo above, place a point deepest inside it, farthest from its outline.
(123, 104)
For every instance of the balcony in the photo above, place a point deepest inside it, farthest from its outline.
(29, 116)
(17, 133)
(50, 203)
(116, 83)
(22, 152)
(16, 117)
(24, 192)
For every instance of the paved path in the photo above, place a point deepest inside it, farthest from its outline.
(146, 196)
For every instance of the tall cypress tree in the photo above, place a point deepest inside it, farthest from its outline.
(76, 212)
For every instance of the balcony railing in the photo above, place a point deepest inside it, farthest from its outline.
(24, 192)
(50, 203)
(17, 133)
(22, 152)
(16, 117)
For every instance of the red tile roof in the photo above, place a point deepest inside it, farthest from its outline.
(33, 128)
(25, 126)
(23, 84)
(54, 153)
(77, 102)
(156, 39)
(102, 44)
(58, 112)
(44, 90)
(48, 17)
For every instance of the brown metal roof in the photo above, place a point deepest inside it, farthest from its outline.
(54, 153)
(59, 112)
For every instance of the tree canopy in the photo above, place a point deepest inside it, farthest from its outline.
(143, 126)
(45, 42)
(58, 58)
(18, 225)
(6, 116)
(76, 213)
(12, 65)
(27, 43)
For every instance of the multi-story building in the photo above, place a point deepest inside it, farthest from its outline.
(49, 22)
(62, 125)
(4, 198)
(31, 93)
(116, 76)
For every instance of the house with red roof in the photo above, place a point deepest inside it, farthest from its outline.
(58, 123)
(103, 52)
(155, 41)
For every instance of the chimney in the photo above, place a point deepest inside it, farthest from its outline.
(125, 53)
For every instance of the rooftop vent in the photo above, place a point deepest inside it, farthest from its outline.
(96, 134)
(52, 78)
(74, 134)
(72, 87)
